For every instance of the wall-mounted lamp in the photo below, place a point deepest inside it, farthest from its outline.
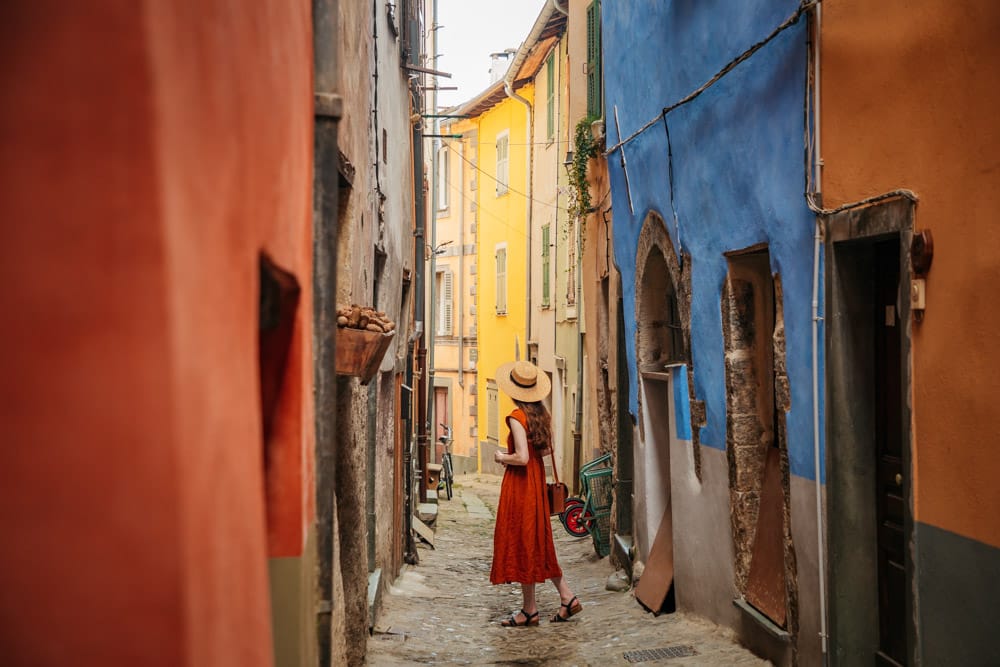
(433, 251)
(921, 257)
(568, 163)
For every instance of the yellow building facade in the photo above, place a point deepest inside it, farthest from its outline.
(501, 303)
(489, 154)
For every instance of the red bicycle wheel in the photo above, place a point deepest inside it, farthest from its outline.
(575, 522)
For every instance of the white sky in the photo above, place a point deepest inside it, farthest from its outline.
(472, 30)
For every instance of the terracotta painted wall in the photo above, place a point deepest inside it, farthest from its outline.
(909, 100)
(152, 150)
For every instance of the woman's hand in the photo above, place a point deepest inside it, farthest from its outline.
(498, 457)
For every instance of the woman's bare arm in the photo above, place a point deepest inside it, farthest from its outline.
(520, 456)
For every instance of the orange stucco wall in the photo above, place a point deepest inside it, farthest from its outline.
(910, 94)
(151, 150)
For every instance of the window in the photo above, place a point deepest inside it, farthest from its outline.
(503, 163)
(550, 97)
(492, 412)
(443, 185)
(546, 267)
(595, 83)
(501, 279)
(443, 287)
(571, 245)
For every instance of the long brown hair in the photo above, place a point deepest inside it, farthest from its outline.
(539, 424)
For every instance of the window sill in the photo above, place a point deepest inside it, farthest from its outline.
(763, 621)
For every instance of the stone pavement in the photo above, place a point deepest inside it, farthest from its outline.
(445, 611)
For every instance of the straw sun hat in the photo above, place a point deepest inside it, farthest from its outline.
(522, 381)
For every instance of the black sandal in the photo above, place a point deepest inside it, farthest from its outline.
(512, 622)
(573, 607)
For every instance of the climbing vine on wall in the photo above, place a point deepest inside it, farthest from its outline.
(586, 148)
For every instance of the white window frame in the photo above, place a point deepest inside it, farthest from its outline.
(503, 162)
(444, 286)
(443, 182)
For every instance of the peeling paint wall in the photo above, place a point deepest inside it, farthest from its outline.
(738, 177)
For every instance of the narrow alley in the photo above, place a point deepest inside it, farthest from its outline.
(718, 272)
(444, 611)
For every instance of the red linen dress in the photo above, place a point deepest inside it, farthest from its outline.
(523, 550)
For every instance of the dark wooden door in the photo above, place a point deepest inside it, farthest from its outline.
(890, 476)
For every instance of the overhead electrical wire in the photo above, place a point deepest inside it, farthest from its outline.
(787, 23)
(509, 189)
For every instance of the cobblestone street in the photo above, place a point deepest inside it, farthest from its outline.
(444, 610)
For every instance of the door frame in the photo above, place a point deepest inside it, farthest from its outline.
(852, 571)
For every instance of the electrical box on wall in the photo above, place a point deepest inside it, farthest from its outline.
(918, 294)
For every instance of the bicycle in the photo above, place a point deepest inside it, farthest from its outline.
(447, 471)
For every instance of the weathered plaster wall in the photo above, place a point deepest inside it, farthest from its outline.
(738, 178)
(934, 132)
(738, 174)
(152, 150)
(910, 101)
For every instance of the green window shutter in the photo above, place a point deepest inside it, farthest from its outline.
(545, 266)
(595, 87)
(550, 97)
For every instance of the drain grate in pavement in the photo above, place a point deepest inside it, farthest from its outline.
(665, 653)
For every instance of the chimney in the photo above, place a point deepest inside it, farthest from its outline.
(498, 64)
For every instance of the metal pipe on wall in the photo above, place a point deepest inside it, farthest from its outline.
(328, 111)
(816, 319)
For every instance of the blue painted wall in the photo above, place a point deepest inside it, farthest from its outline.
(739, 173)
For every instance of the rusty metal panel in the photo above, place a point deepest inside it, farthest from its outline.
(655, 582)
(766, 584)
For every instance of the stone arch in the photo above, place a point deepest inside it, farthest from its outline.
(659, 271)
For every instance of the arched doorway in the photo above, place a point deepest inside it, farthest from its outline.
(661, 353)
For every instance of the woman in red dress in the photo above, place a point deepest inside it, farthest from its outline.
(523, 550)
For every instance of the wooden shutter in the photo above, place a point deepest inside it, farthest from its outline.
(595, 92)
(447, 300)
(550, 97)
(501, 281)
(492, 412)
(546, 266)
(503, 169)
(443, 184)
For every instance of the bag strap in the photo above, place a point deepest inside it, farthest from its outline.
(555, 469)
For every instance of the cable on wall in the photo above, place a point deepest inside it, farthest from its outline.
(804, 6)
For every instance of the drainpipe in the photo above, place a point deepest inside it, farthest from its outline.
(531, 150)
(816, 319)
(328, 111)
(461, 270)
(578, 430)
(436, 144)
(420, 363)
(508, 87)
